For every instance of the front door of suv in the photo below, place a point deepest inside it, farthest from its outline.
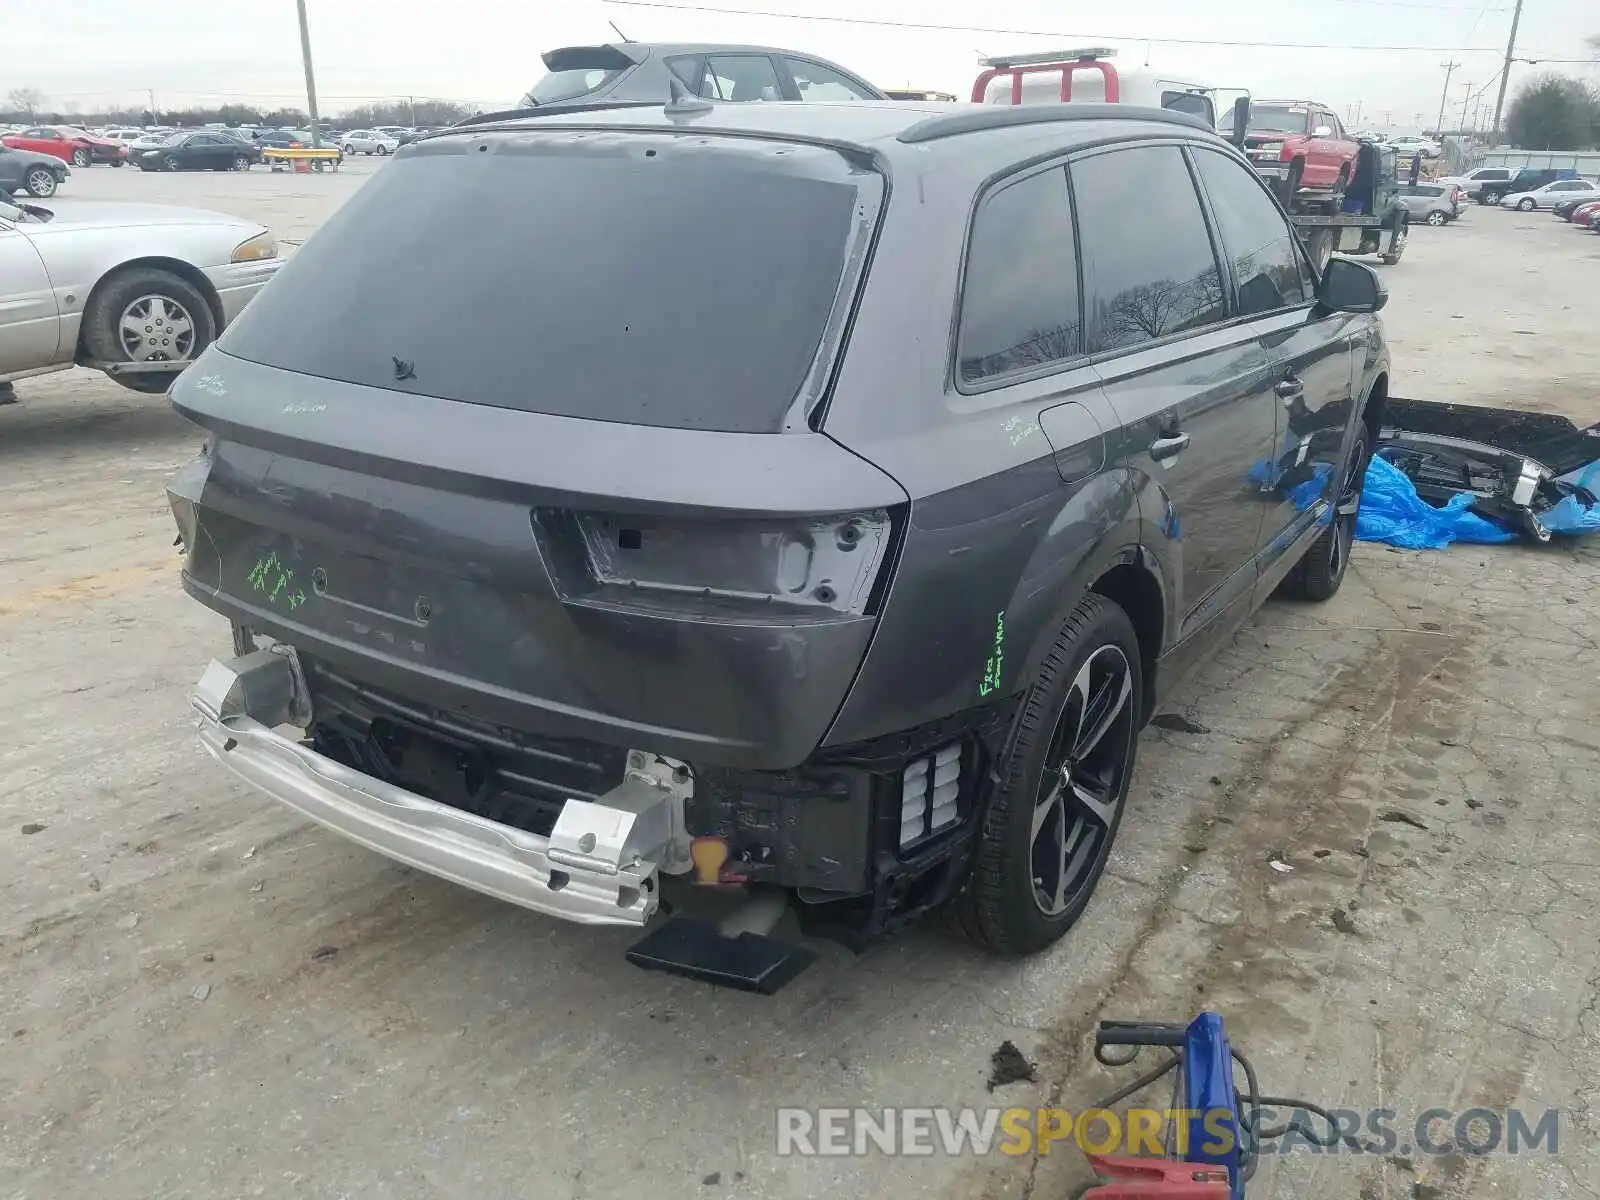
(1312, 353)
(1191, 386)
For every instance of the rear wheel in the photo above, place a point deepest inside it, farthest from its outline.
(80, 157)
(1436, 219)
(1049, 827)
(145, 314)
(41, 182)
(383, 151)
(241, 162)
(1318, 575)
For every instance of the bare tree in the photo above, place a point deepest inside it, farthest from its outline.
(28, 99)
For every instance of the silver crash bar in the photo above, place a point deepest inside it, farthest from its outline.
(599, 866)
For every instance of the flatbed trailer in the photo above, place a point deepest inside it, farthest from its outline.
(1353, 233)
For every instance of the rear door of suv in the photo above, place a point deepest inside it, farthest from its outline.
(1190, 382)
(1311, 352)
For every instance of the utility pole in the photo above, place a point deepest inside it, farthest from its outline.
(1465, 100)
(413, 100)
(1505, 72)
(1449, 70)
(311, 79)
(154, 120)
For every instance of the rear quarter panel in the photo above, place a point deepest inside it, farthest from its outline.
(1007, 524)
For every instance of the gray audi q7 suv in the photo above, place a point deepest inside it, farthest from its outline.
(807, 502)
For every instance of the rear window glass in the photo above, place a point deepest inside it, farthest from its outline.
(557, 86)
(1189, 102)
(636, 278)
(1271, 118)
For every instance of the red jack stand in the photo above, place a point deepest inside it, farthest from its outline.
(1156, 1179)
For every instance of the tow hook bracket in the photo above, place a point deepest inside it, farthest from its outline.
(699, 950)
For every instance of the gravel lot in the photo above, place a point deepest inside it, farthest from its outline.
(205, 996)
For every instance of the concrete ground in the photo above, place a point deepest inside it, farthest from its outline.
(206, 996)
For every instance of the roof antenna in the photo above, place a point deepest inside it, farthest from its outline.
(684, 103)
(620, 34)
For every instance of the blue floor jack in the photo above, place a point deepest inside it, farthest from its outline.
(1213, 1147)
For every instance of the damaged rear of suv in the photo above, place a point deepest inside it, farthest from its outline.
(647, 518)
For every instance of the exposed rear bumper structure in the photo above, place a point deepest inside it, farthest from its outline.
(598, 867)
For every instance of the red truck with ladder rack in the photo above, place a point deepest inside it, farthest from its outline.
(1339, 193)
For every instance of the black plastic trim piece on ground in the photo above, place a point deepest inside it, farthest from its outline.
(750, 962)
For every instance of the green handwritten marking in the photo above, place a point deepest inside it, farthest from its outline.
(996, 663)
(276, 581)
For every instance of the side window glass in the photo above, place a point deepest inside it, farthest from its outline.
(1257, 239)
(1019, 299)
(817, 82)
(745, 77)
(1140, 286)
(693, 73)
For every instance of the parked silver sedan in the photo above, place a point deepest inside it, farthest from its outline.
(368, 141)
(135, 290)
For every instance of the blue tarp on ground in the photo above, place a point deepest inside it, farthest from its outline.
(1392, 512)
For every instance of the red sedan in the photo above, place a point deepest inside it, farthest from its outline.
(76, 146)
(1582, 215)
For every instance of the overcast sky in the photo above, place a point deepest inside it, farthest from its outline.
(94, 52)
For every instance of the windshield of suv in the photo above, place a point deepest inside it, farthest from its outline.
(1267, 118)
(641, 278)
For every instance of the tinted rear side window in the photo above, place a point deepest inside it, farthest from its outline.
(640, 278)
(1019, 301)
(1148, 263)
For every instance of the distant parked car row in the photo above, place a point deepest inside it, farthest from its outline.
(1527, 189)
(1579, 211)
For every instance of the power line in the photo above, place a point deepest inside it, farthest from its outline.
(1435, 7)
(1050, 33)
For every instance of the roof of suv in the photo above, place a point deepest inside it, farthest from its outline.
(865, 124)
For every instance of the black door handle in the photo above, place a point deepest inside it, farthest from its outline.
(1290, 388)
(1169, 447)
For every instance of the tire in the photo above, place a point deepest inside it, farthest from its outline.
(1526, 205)
(103, 321)
(116, 162)
(241, 162)
(347, 150)
(1489, 196)
(1020, 898)
(80, 157)
(1340, 186)
(41, 182)
(1320, 246)
(383, 152)
(1437, 219)
(1318, 575)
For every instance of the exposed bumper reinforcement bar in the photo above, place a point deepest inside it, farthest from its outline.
(600, 873)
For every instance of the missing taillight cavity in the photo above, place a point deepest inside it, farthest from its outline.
(756, 564)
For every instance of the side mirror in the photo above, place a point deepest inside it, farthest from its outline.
(1322, 131)
(1350, 287)
(1241, 121)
